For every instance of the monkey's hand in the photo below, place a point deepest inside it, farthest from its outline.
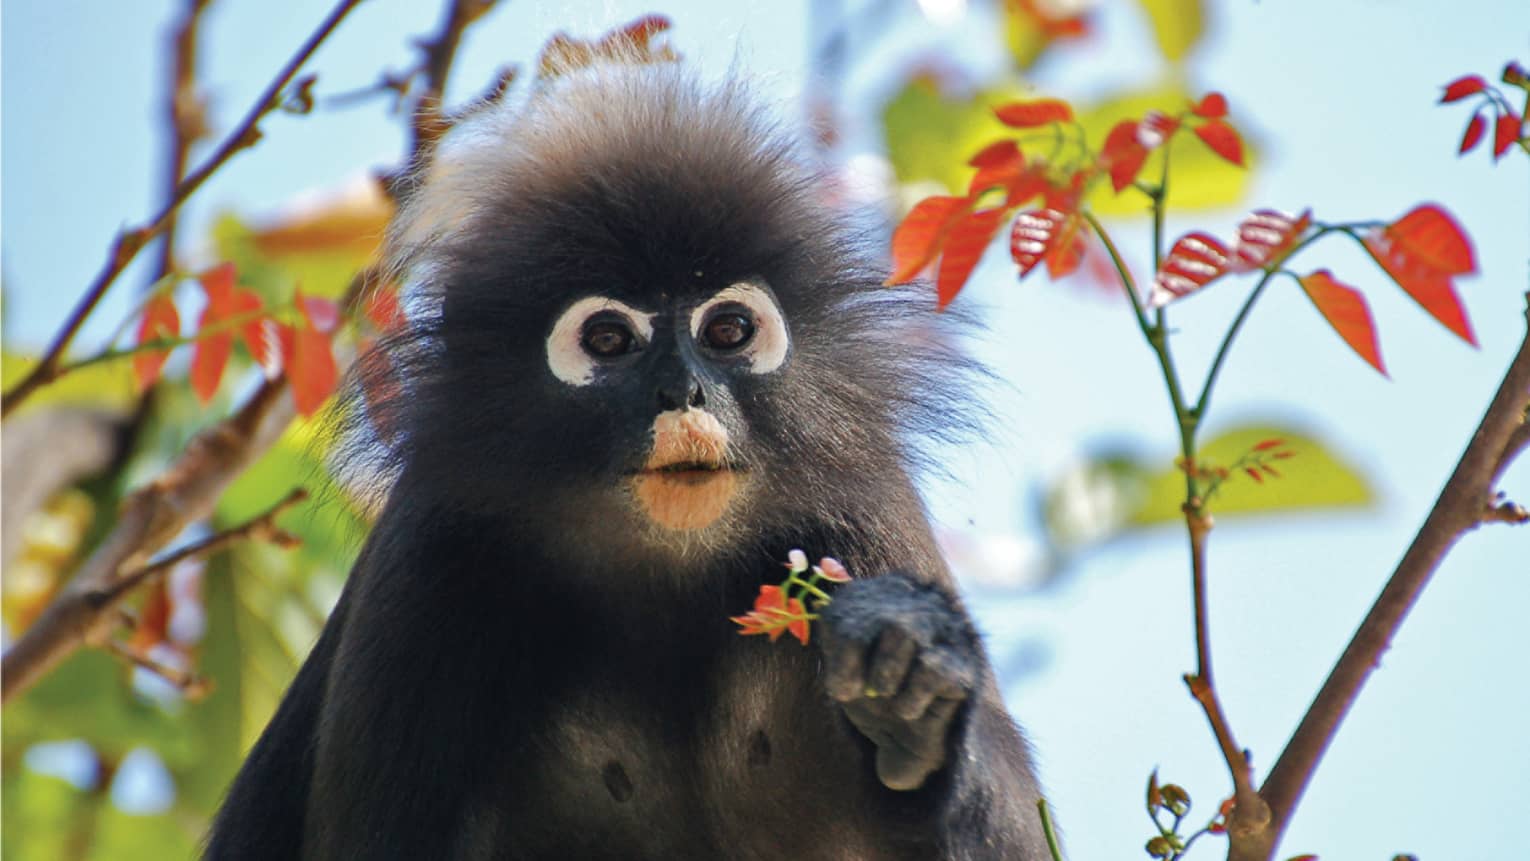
(902, 660)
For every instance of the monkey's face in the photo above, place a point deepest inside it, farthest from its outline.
(665, 379)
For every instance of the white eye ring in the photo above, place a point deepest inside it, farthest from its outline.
(766, 349)
(566, 356)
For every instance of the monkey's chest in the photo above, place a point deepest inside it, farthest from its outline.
(752, 771)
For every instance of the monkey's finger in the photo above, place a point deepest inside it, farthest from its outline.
(890, 662)
(844, 668)
(925, 683)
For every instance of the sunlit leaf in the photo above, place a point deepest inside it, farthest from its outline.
(1196, 260)
(160, 321)
(1265, 236)
(1177, 25)
(1123, 154)
(1049, 235)
(969, 238)
(307, 355)
(1034, 113)
(1462, 87)
(919, 236)
(1223, 140)
(1345, 310)
(1423, 251)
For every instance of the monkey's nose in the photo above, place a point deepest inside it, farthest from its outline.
(681, 393)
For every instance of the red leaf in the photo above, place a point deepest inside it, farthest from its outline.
(208, 360)
(1033, 236)
(1223, 140)
(218, 282)
(1268, 444)
(1429, 287)
(1212, 106)
(964, 248)
(1039, 112)
(1002, 164)
(833, 570)
(322, 314)
(310, 363)
(1265, 236)
(1254, 474)
(1505, 134)
(1474, 130)
(995, 154)
(1345, 310)
(254, 334)
(1197, 259)
(799, 625)
(1462, 87)
(1428, 235)
(917, 239)
(160, 321)
(1123, 154)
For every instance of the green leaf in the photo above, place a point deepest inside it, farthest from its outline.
(1119, 491)
(1177, 25)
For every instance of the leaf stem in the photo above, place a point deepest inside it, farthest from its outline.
(1048, 831)
(1125, 274)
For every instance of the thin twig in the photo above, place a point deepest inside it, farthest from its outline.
(130, 242)
(430, 121)
(1457, 510)
(262, 527)
(191, 684)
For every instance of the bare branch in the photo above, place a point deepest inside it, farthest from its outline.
(131, 241)
(1250, 813)
(1458, 509)
(430, 121)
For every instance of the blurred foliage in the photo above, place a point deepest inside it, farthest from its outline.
(245, 621)
(1119, 492)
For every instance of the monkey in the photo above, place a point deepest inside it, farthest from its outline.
(644, 360)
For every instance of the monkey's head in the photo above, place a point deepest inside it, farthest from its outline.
(637, 326)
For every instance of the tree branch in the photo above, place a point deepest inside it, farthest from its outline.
(130, 242)
(1459, 509)
(151, 517)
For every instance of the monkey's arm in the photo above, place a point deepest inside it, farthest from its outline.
(907, 666)
(262, 815)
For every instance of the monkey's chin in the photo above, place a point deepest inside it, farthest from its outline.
(685, 499)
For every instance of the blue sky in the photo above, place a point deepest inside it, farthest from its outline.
(1435, 758)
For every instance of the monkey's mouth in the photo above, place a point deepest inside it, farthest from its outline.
(688, 471)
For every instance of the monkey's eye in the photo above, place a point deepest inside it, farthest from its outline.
(607, 338)
(728, 330)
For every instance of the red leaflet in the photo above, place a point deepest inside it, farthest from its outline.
(1345, 310)
(1474, 130)
(1123, 154)
(1422, 251)
(1462, 87)
(160, 321)
(1505, 134)
(1265, 237)
(1268, 444)
(322, 314)
(1129, 142)
(225, 301)
(153, 626)
(1223, 140)
(1049, 235)
(1039, 112)
(1196, 260)
(968, 240)
(1212, 106)
(306, 353)
(798, 626)
(998, 164)
(1429, 235)
(917, 239)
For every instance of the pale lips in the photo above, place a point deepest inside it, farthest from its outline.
(686, 482)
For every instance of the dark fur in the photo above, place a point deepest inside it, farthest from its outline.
(519, 666)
